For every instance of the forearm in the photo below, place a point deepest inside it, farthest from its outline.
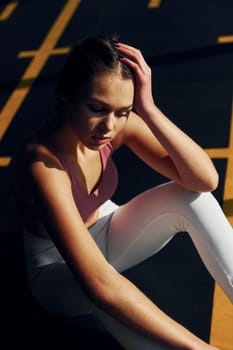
(126, 303)
(194, 167)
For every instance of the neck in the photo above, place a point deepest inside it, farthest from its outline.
(67, 139)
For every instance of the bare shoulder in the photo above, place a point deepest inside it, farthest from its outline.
(35, 162)
(37, 151)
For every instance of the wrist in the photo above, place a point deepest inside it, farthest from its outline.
(150, 113)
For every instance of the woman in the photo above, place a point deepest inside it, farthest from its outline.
(77, 241)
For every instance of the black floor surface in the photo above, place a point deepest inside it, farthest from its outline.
(192, 82)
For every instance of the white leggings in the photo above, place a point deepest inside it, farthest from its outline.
(134, 232)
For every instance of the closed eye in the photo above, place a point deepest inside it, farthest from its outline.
(97, 109)
(103, 110)
(123, 114)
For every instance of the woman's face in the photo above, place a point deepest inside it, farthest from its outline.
(97, 118)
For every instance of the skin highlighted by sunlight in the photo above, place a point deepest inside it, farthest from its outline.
(65, 181)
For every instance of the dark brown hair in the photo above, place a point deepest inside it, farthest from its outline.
(89, 57)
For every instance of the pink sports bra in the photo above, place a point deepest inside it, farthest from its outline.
(86, 203)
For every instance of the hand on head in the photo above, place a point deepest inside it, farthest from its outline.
(133, 57)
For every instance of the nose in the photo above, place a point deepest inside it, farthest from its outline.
(107, 123)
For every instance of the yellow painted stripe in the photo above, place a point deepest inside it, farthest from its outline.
(32, 53)
(154, 3)
(19, 94)
(225, 39)
(228, 209)
(8, 10)
(218, 152)
(222, 316)
(5, 161)
(222, 321)
(228, 187)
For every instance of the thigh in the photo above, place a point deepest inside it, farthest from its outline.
(50, 280)
(145, 224)
(58, 292)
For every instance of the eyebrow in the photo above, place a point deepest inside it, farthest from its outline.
(96, 100)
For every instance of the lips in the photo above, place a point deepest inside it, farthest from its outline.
(101, 139)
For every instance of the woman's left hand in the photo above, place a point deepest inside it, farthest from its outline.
(143, 98)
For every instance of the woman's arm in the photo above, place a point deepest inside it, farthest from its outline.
(105, 287)
(160, 143)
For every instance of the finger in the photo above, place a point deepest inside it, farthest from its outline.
(139, 75)
(134, 54)
(127, 46)
(134, 65)
(131, 51)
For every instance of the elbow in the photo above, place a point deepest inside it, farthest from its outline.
(209, 184)
(212, 182)
(100, 289)
(98, 295)
(211, 179)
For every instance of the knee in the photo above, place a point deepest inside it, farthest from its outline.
(192, 196)
(194, 201)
